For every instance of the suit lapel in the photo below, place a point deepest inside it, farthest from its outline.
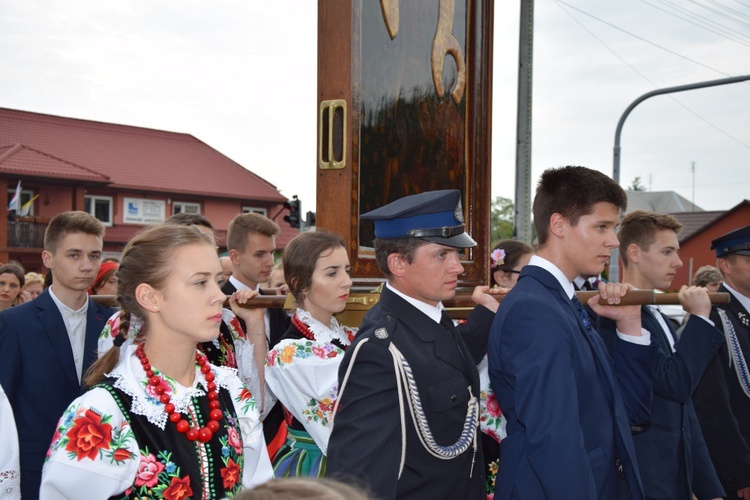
(651, 323)
(54, 328)
(595, 342)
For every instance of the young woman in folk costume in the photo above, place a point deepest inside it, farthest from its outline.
(159, 421)
(507, 259)
(232, 348)
(302, 369)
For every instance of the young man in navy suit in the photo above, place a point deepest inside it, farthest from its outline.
(46, 345)
(568, 405)
(650, 258)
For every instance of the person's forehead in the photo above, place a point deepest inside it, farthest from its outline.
(80, 241)
(257, 241)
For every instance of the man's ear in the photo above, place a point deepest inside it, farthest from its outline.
(557, 224)
(145, 296)
(47, 259)
(234, 256)
(633, 253)
(397, 264)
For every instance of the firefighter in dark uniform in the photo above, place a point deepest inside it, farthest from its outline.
(722, 398)
(407, 423)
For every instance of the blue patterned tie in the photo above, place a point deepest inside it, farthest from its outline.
(583, 313)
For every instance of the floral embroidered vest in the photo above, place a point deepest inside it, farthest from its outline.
(174, 468)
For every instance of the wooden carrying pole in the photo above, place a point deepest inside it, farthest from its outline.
(364, 301)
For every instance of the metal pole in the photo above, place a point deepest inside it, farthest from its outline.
(523, 123)
(666, 90)
(613, 267)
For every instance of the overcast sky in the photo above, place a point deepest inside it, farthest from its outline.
(241, 76)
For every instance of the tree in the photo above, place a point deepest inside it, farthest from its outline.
(637, 186)
(502, 218)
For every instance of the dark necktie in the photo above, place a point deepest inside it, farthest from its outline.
(582, 313)
(587, 285)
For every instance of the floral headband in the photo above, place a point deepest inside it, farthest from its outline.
(497, 257)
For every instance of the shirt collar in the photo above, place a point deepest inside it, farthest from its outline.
(554, 271)
(240, 285)
(745, 301)
(65, 309)
(435, 313)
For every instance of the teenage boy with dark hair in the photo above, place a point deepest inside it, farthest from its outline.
(569, 406)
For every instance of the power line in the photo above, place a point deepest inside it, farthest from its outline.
(694, 113)
(698, 24)
(643, 39)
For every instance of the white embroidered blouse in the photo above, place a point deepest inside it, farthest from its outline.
(102, 474)
(303, 374)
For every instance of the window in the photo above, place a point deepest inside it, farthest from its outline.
(100, 207)
(180, 207)
(26, 196)
(255, 210)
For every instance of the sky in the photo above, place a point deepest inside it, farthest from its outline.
(241, 76)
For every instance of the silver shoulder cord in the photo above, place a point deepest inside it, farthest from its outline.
(405, 380)
(735, 352)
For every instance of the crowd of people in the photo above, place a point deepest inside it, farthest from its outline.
(183, 391)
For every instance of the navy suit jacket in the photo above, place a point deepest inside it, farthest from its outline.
(674, 429)
(569, 408)
(38, 373)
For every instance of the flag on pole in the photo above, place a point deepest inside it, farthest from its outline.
(15, 202)
(26, 207)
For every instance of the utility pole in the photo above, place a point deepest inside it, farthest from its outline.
(523, 123)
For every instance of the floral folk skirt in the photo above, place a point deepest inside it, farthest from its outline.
(299, 456)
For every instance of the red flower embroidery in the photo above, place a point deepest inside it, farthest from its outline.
(234, 440)
(148, 471)
(121, 454)
(245, 394)
(88, 435)
(493, 408)
(272, 358)
(235, 324)
(319, 352)
(230, 474)
(178, 489)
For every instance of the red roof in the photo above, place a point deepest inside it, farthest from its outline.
(127, 157)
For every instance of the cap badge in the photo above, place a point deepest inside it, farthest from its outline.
(458, 213)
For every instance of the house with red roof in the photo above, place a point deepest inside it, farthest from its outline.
(127, 177)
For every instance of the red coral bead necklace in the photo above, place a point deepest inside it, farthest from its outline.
(203, 434)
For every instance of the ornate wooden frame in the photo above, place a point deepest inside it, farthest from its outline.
(340, 126)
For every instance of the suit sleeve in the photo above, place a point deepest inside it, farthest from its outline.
(365, 441)
(476, 331)
(678, 373)
(536, 353)
(633, 368)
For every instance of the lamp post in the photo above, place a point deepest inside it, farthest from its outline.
(613, 268)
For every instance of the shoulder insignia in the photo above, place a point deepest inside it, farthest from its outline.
(381, 333)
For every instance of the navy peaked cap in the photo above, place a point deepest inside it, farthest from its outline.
(737, 241)
(434, 216)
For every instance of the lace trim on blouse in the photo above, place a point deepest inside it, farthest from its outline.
(130, 377)
(323, 333)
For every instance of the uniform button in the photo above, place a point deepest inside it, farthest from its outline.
(453, 397)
